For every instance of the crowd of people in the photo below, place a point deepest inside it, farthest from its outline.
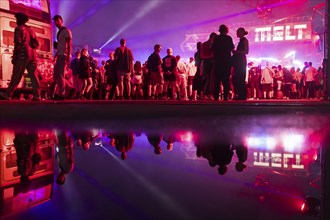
(204, 76)
(210, 75)
(218, 71)
(279, 82)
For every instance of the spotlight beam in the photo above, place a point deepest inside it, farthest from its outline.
(161, 196)
(141, 13)
(205, 22)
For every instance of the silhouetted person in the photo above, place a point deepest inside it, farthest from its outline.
(205, 153)
(74, 65)
(239, 63)
(27, 154)
(124, 64)
(207, 54)
(65, 155)
(154, 140)
(169, 67)
(154, 64)
(111, 76)
(85, 74)
(222, 154)
(169, 139)
(241, 152)
(222, 47)
(198, 79)
(63, 47)
(123, 143)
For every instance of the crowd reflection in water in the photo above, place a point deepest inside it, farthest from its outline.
(221, 154)
(217, 153)
(169, 140)
(123, 142)
(35, 155)
(26, 169)
(64, 141)
(154, 140)
(27, 154)
(65, 155)
(85, 138)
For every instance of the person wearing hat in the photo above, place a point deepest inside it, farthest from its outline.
(239, 63)
(24, 57)
(63, 45)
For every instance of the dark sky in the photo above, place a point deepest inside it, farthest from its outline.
(101, 23)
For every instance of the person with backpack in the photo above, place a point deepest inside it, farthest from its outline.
(63, 45)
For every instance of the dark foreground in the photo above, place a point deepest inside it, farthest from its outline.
(74, 114)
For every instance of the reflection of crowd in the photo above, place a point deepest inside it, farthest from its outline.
(27, 152)
(221, 154)
(65, 155)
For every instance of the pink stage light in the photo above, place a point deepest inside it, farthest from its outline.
(263, 142)
(316, 37)
(293, 142)
(185, 136)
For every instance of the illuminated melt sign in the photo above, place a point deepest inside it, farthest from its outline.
(278, 160)
(285, 32)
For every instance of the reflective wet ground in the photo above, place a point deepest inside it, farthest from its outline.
(253, 161)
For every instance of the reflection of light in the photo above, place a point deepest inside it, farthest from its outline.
(292, 142)
(302, 207)
(289, 142)
(98, 51)
(268, 143)
(253, 141)
(260, 59)
(95, 132)
(298, 63)
(157, 192)
(98, 143)
(290, 54)
(185, 136)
